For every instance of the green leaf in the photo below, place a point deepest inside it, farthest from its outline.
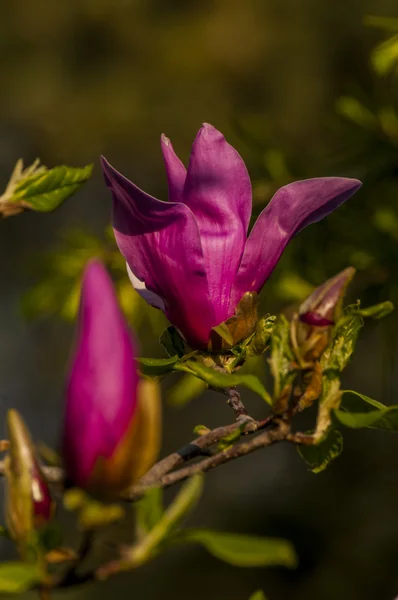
(163, 532)
(243, 550)
(46, 189)
(259, 595)
(340, 349)
(218, 379)
(378, 311)
(157, 366)
(359, 411)
(149, 510)
(17, 577)
(186, 389)
(281, 361)
(319, 456)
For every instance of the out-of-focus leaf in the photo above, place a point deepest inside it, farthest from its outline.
(243, 550)
(50, 537)
(352, 109)
(384, 57)
(293, 288)
(259, 595)
(218, 379)
(149, 510)
(358, 410)
(163, 532)
(17, 577)
(157, 366)
(186, 389)
(91, 514)
(386, 23)
(319, 456)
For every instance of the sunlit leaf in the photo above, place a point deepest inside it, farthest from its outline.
(41, 189)
(218, 379)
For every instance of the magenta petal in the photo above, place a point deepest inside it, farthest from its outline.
(292, 208)
(218, 191)
(161, 244)
(175, 170)
(102, 385)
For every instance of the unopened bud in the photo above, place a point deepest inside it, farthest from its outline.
(323, 307)
(319, 312)
(28, 500)
(112, 419)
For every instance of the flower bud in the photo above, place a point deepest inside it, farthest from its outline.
(323, 307)
(29, 505)
(319, 311)
(112, 419)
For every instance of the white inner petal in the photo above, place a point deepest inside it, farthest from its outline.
(150, 297)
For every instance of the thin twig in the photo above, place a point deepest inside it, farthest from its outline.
(235, 402)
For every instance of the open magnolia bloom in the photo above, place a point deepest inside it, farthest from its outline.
(111, 432)
(192, 256)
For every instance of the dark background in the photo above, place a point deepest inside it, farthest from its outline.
(86, 77)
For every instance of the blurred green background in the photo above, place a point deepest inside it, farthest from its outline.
(301, 89)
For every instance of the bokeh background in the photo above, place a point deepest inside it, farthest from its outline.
(301, 88)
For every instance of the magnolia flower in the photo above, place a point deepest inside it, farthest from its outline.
(192, 256)
(112, 418)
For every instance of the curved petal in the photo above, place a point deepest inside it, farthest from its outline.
(161, 243)
(292, 208)
(218, 191)
(102, 386)
(149, 297)
(175, 170)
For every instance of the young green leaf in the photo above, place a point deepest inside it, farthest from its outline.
(243, 550)
(218, 379)
(319, 456)
(377, 311)
(17, 577)
(157, 366)
(282, 359)
(41, 189)
(359, 411)
(338, 353)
